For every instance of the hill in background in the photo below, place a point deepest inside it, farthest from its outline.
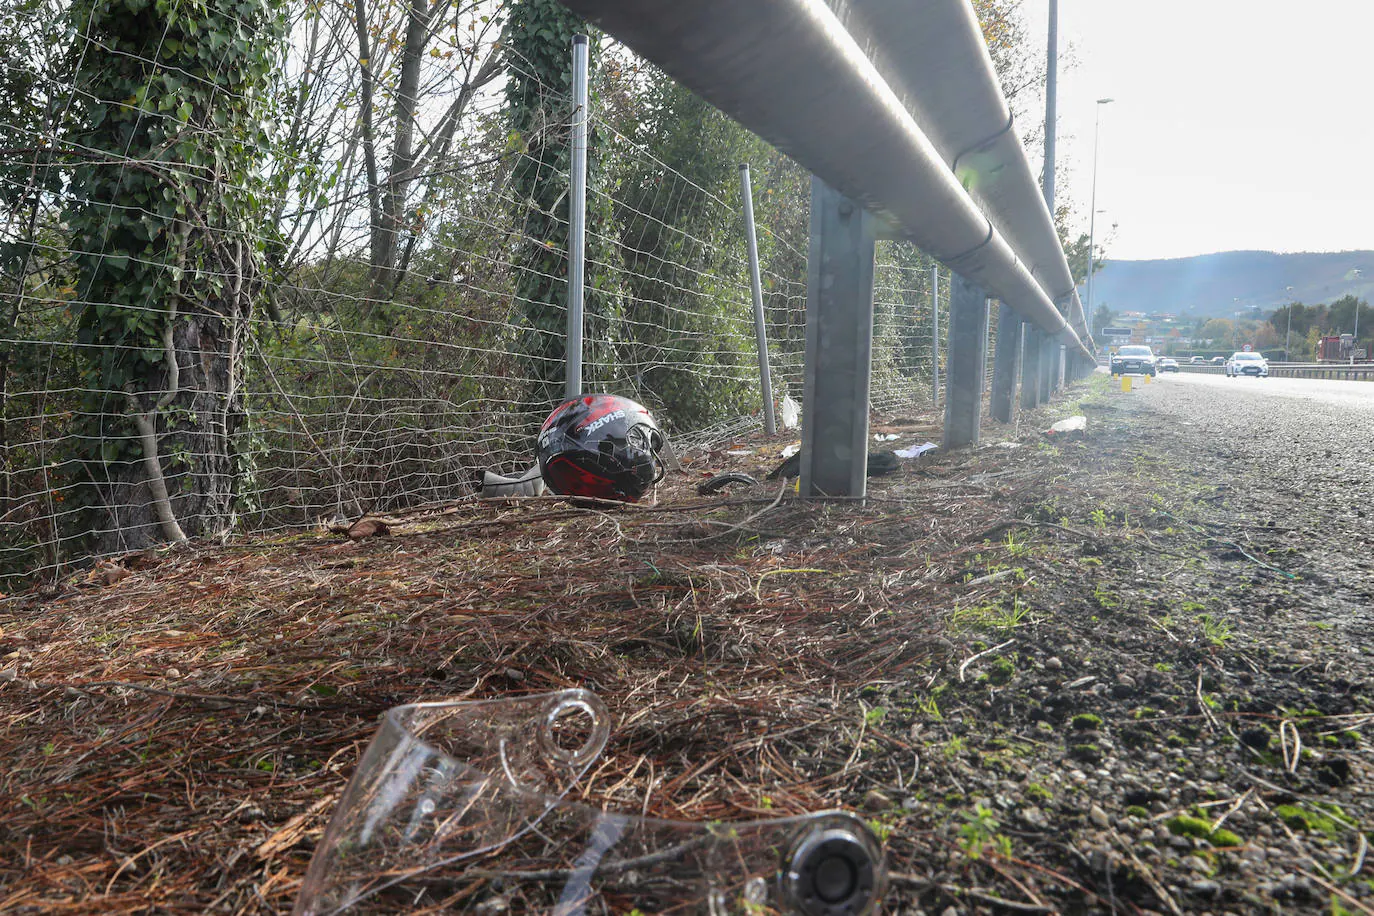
(1219, 285)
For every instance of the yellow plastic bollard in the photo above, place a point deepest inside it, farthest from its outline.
(1125, 383)
(1147, 379)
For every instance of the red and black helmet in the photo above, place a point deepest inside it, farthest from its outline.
(602, 446)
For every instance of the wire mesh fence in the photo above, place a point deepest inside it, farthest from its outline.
(367, 311)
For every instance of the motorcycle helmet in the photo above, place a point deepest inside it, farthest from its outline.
(602, 446)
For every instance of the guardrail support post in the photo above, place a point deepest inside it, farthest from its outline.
(1004, 364)
(1049, 349)
(1030, 366)
(965, 367)
(839, 346)
(935, 336)
(1061, 367)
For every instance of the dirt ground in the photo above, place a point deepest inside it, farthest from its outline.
(1114, 673)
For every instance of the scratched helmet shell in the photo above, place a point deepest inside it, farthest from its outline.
(602, 446)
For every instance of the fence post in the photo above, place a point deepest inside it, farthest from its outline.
(839, 346)
(1030, 366)
(935, 335)
(964, 371)
(1004, 364)
(577, 219)
(770, 423)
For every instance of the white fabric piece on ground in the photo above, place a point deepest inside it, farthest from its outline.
(915, 451)
(530, 483)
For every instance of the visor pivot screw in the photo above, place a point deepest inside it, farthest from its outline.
(831, 873)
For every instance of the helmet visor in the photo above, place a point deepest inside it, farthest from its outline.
(456, 805)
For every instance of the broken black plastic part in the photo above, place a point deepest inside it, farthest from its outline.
(830, 872)
(721, 481)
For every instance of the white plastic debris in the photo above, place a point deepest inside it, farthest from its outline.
(791, 413)
(740, 452)
(886, 437)
(530, 483)
(915, 451)
(791, 450)
(1076, 424)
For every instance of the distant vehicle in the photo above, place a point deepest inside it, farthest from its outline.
(1133, 358)
(1247, 364)
(1168, 365)
(1335, 348)
(1218, 360)
(1197, 359)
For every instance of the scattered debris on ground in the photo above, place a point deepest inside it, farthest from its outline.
(1079, 675)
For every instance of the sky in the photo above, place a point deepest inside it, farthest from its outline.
(1237, 124)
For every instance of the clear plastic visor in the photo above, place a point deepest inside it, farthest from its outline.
(462, 807)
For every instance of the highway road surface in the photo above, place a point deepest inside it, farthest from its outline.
(1343, 394)
(1297, 454)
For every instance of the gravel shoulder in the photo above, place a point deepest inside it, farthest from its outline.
(1129, 672)
(1181, 721)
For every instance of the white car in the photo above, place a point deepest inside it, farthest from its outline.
(1247, 364)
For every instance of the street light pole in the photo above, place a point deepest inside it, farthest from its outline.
(1051, 103)
(1289, 333)
(1092, 215)
(1355, 344)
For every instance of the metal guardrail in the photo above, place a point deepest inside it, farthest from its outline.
(789, 71)
(1331, 371)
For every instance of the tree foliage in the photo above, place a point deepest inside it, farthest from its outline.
(681, 249)
(1311, 322)
(166, 238)
(1102, 317)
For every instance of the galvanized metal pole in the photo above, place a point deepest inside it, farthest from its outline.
(1049, 348)
(1030, 366)
(839, 346)
(577, 219)
(770, 423)
(1092, 210)
(1001, 404)
(964, 372)
(935, 335)
(1355, 343)
(1051, 104)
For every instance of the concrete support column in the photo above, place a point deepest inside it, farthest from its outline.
(1004, 364)
(966, 344)
(839, 346)
(1030, 367)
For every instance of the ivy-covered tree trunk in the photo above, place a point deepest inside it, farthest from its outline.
(538, 98)
(166, 238)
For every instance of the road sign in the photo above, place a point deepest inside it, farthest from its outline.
(1247, 348)
(1116, 332)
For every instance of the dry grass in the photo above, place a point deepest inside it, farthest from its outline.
(175, 729)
